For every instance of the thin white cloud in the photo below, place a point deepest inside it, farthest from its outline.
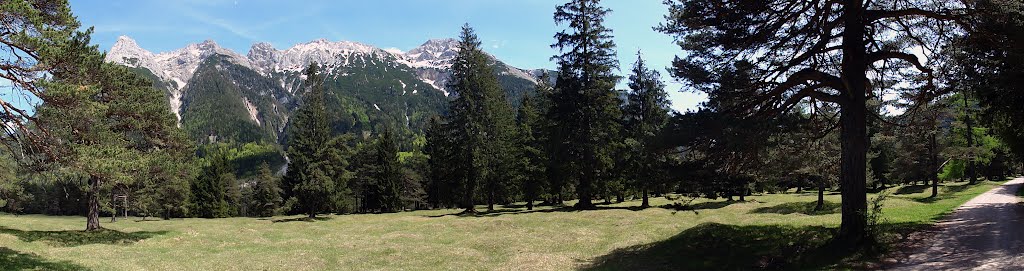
(187, 10)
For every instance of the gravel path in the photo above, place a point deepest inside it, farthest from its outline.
(986, 233)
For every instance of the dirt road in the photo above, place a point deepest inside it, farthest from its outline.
(986, 233)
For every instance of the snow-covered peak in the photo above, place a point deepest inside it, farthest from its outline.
(182, 63)
(436, 53)
(321, 51)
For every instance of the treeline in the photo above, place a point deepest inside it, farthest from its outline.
(104, 141)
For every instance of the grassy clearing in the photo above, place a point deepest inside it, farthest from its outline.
(774, 231)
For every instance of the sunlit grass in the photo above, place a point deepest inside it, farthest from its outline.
(511, 238)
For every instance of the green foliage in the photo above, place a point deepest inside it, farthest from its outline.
(994, 79)
(645, 114)
(309, 179)
(529, 157)
(415, 171)
(953, 170)
(266, 198)
(584, 104)
(113, 129)
(40, 39)
(480, 121)
(388, 176)
(215, 191)
(442, 185)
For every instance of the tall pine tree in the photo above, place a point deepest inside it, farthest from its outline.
(645, 113)
(307, 178)
(388, 177)
(585, 104)
(267, 193)
(481, 120)
(530, 155)
(442, 186)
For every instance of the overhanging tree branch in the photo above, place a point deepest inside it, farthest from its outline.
(875, 15)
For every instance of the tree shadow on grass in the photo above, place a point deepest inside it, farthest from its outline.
(78, 238)
(563, 209)
(301, 219)
(911, 189)
(713, 246)
(702, 206)
(945, 192)
(806, 208)
(14, 260)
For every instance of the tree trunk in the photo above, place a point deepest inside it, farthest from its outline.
(92, 218)
(312, 214)
(646, 203)
(587, 179)
(529, 204)
(821, 196)
(933, 148)
(853, 118)
(113, 213)
(490, 197)
(467, 200)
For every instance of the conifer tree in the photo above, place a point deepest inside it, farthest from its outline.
(307, 177)
(480, 121)
(39, 39)
(211, 195)
(530, 152)
(267, 193)
(585, 103)
(108, 126)
(389, 176)
(337, 156)
(645, 113)
(442, 186)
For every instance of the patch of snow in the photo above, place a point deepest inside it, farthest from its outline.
(434, 84)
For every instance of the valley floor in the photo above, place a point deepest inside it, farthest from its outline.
(766, 231)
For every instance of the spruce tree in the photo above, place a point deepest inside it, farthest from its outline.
(585, 104)
(645, 113)
(337, 156)
(307, 178)
(389, 177)
(530, 156)
(442, 186)
(267, 193)
(210, 189)
(480, 121)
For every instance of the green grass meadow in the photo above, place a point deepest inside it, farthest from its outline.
(771, 231)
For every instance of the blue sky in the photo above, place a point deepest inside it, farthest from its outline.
(517, 32)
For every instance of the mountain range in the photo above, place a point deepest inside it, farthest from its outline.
(218, 94)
